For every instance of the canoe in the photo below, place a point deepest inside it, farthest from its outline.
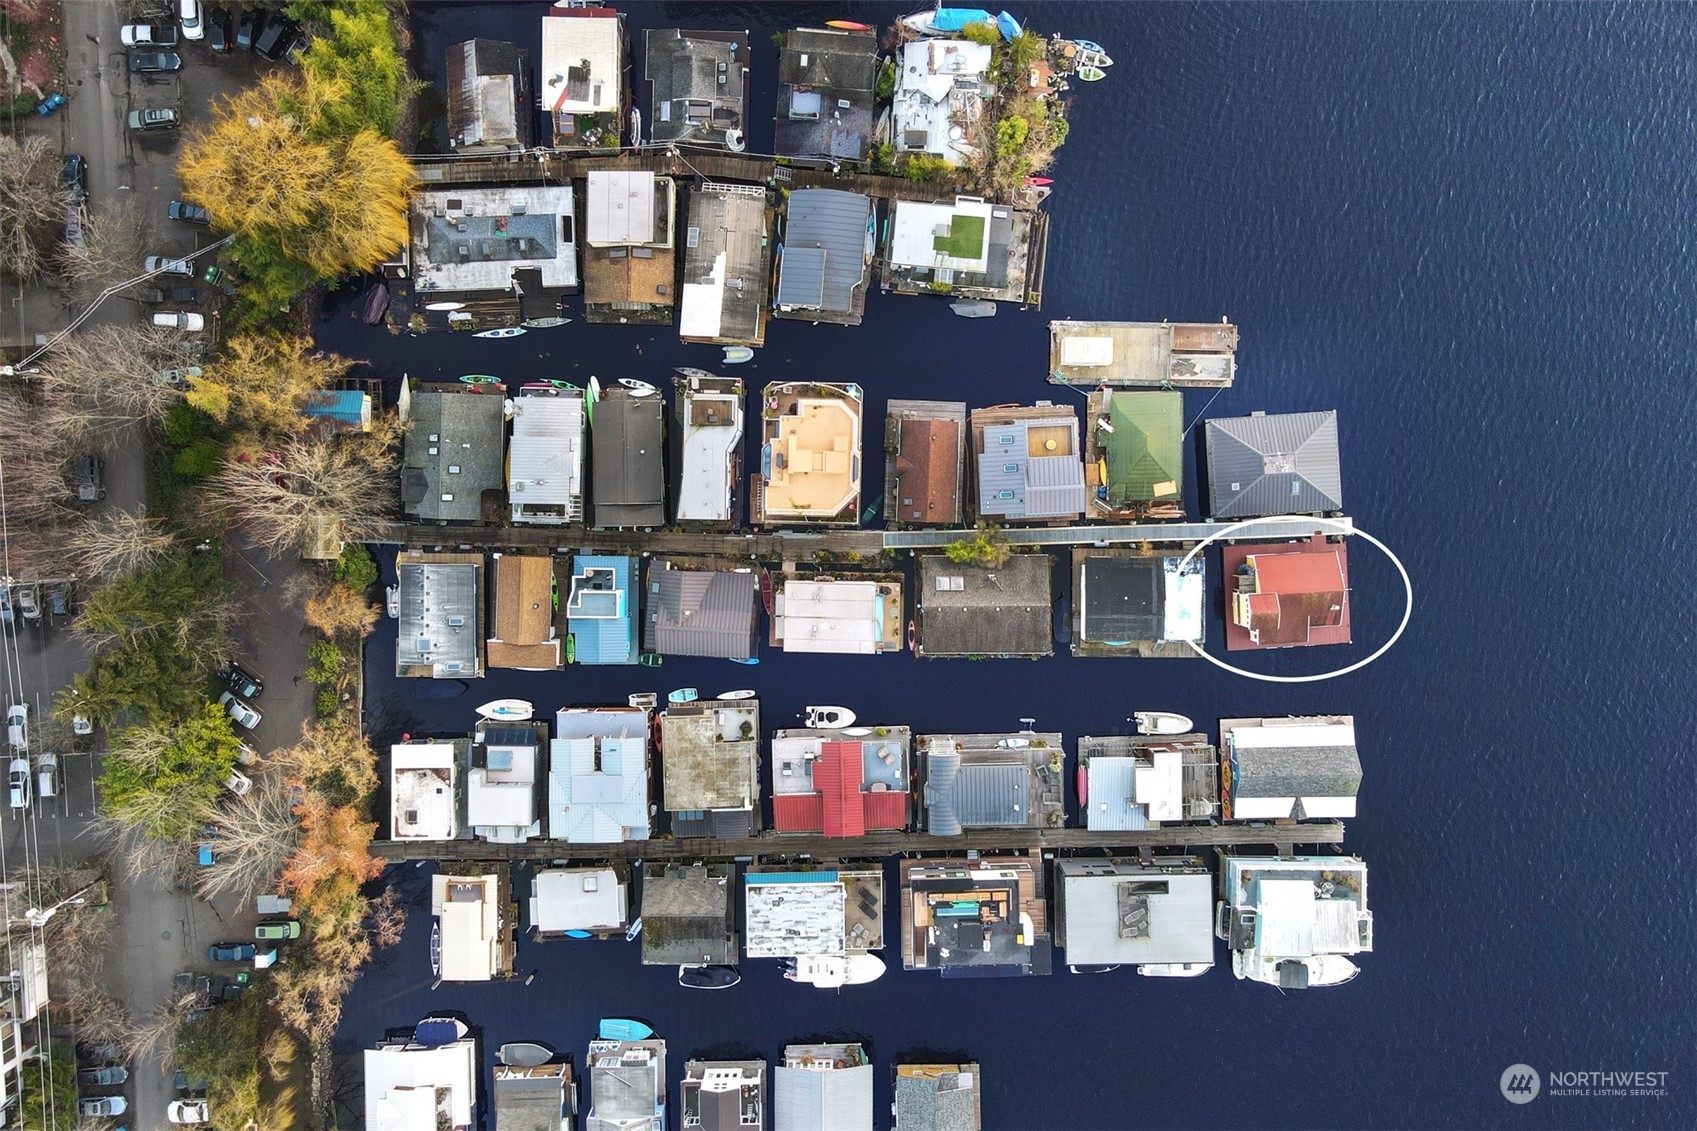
(708, 977)
(848, 25)
(576, 934)
(525, 1054)
(503, 332)
(745, 660)
(743, 694)
(829, 718)
(736, 355)
(544, 322)
(436, 949)
(507, 710)
(638, 388)
(623, 1029)
(1039, 182)
(974, 308)
(1085, 74)
(1161, 722)
(1083, 781)
(443, 305)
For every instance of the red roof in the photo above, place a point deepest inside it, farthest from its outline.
(798, 812)
(1298, 573)
(887, 810)
(928, 471)
(838, 776)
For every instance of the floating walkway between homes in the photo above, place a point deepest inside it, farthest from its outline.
(1284, 837)
(789, 544)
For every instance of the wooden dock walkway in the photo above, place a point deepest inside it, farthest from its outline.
(1283, 837)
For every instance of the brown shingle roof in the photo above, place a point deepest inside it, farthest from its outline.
(524, 614)
(928, 471)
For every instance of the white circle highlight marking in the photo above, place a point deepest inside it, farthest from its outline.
(1342, 528)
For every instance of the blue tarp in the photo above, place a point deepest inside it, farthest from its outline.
(1008, 26)
(953, 19)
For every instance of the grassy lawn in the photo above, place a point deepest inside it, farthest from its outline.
(965, 239)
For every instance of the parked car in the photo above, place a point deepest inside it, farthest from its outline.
(28, 598)
(74, 176)
(155, 62)
(104, 1107)
(243, 713)
(231, 951)
(147, 35)
(278, 929)
(218, 30)
(47, 776)
(17, 726)
(165, 265)
(105, 1076)
(238, 783)
(245, 754)
(17, 783)
(252, 23)
(87, 478)
(189, 15)
(76, 223)
(187, 1088)
(154, 118)
(241, 681)
(189, 213)
(278, 36)
(49, 104)
(82, 725)
(184, 294)
(59, 599)
(179, 320)
(187, 1111)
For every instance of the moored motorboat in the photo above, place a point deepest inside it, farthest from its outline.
(524, 1054)
(742, 694)
(829, 972)
(1161, 722)
(973, 308)
(643, 700)
(1174, 969)
(503, 332)
(507, 710)
(638, 388)
(829, 718)
(708, 977)
(545, 322)
(392, 599)
(623, 1029)
(1092, 969)
(683, 695)
(736, 355)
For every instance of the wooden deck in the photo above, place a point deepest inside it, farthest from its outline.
(1283, 837)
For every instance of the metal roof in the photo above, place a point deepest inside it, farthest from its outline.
(701, 612)
(1269, 465)
(598, 776)
(620, 208)
(629, 483)
(834, 1099)
(601, 609)
(824, 250)
(439, 623)
(1145, 450)
(545, 459)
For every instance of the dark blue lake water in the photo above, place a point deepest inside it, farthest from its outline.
(1466, 228)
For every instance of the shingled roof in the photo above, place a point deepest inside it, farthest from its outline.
(991, 612)
(1286, 463)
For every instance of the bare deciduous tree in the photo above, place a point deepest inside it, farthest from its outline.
(32, 204)
(114, 544)
(252, 837)
(107, 377)
(113, 244)
(284, 497)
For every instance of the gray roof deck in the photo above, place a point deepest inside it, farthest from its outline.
(992, 612)
(725, 274)
(825, 94)
(698, 81)
(1285, 463)
(824, 264)
(453, 453)
(629, 485)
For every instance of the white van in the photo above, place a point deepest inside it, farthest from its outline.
(179, 320)
(189, 16)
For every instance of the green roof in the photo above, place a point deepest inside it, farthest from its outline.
(965, 239)
(1146, 446)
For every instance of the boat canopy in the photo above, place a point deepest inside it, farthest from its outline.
(954, 19)
(1008, 26)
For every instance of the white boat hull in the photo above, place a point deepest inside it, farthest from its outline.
(1323, 969)
(743, 694)
(829, 973)
(1162, 722)
(829, 718)
(1174, 969)
(507, 710)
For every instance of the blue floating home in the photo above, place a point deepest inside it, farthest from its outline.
(601, 610)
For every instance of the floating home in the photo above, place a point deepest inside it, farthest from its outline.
(534, 1097)
(451, 462)
(823, 1086)
(1134, 782)
(975, 918)
(423, 1079)
(508, 760)
(545, 455)
(1157, 916)
(697, 87)
(471, 244)
(826, 80)
(491, 102)
(688, 915)
(1030, 464)
(627, 1085)
(598, 775)
(697, 608)
(711, 767)
(1158, 355)
(839, 615)
(824, 256)
(601, 609)
(992, 781)
(925, 462)
(439, 631)
(476, 940)
(1289, 769)
(726, 275)
(710, 428)
(967, 248)
(628, 258)
(1285, 463)
(1294, 923)
(1286, 595)
(822, 916)
(810, 455)
(593, 901)
(724, 1095)
(942, 90)
(583, 76)
(1134, 455)
(835, 784)
(1130, 601)
(423, 777)
(629, 485)
(939, 1097)
(525, 634)
(967, 610)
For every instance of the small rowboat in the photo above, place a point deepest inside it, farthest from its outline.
(481, 380)
(683, 695)
(1085, 74)
(1161, 722)
(745, 660)
(857, 732)
(623, 1029)
(1090, 45)
(525, 1054)
(912, 636)
(743, 694)
(829, 718)
(848, 25)
(547, 388)
(443, 305)
(503, 332)
(507, 710)
(434, 1032)
(691, 371)
(376, 303)
(544, 323)
(736, 355)
(638, 388)
(436, 950)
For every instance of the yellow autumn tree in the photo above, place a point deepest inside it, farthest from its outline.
(334, 203)
(260, 383)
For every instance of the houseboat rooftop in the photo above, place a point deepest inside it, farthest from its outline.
(1151, 354)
